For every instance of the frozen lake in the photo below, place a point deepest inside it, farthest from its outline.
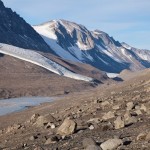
(17, 104)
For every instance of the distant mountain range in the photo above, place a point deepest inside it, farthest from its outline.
(75, 42)
(71, 45)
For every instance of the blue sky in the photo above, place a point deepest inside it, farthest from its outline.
(125, 20)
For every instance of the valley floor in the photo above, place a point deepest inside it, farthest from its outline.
(118, 114)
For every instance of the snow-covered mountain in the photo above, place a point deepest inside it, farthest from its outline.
(40, 60)
(14, 30)
(75, 42)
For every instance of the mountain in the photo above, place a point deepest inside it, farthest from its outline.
(75, 42)
(15, 31)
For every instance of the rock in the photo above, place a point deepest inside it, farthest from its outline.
(12, 128)
(95, 120)
(141, 137)
(143, 107)
(90, 144)
(108, 115)
(24, 145)
(148, 90)
(44, 120)
(127, 115)
(138, 112)
(32, 138)
(34, 117)
(116, 107)
(105, 103)
(53, 126)
(129, 119)
(148, 137)
(68, 127)
(50, 125)
(91, 127)
(111, 144)
(51, 140)
(119, 123)
(130, 105)
(137, 107)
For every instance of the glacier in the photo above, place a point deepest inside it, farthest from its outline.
(38, 59)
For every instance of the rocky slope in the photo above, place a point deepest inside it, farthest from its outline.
(15, 31)
(114, 117)
(75, 42)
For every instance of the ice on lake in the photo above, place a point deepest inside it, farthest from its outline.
(17, 104)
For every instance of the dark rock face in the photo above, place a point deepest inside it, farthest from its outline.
(15, 31)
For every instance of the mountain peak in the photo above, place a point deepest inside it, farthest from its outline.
(75, 42)
(61, 23)
(16, 31)
(71, 35)
(1, 4)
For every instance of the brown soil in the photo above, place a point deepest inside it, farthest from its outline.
(80, 107)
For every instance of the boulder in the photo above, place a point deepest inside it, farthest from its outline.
(148, 137)
(130, 105)
(44, 120)
(129, 119)
(119, 123)
(143, 107)
(138, 112)
(67, 128)
(141, 136)
(116, 107)
(111, 144)
(127, 115)
(108, 115)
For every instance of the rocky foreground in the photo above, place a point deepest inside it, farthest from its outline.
(107, 118)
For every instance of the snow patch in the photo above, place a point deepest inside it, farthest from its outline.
(51, 39)
(144, 56)
(83, 46)
(112, 75)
